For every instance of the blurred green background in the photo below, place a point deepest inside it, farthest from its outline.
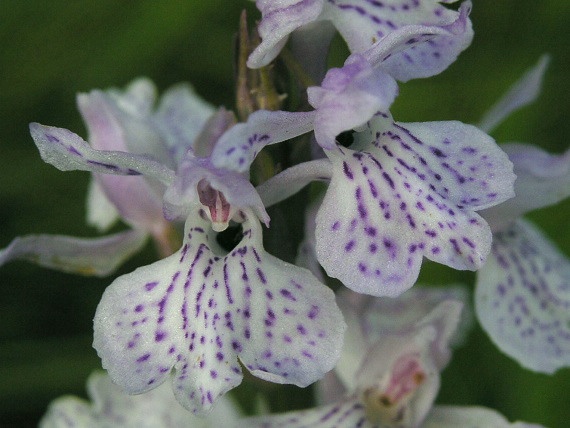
(50, 50)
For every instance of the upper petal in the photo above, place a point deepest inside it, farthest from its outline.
(381, 31)
(199, 309)
(180, 116)
(348, 97)
(237, 148)
(278, 20)
(543, 179)
(522, 298)
(67, 152)
(410, 192)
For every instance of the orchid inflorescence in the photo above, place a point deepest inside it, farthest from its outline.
(177, 335)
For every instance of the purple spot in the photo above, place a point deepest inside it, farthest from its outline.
(150, 285)
(313, 312)
(143, 358)
(287, 294)
(347, 171)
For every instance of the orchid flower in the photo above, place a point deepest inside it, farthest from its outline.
(351, 95)
(389, 42)
(364, 23)
(523, 291)
(123, 121)
(201, 308)
(388, 374)
(401, 192)
(110, 407)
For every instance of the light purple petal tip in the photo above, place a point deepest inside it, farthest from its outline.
(67, 152)
(543, 179)
(522, 298)
(523, 92)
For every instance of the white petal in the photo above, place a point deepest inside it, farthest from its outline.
(101, 213)
(68, 412)
(522, 298)
(377, 317)
(470, 416)
(85, 256)
(523, 92)
(181, 116)
(306, 253)
(288, 182)
(111, 407)
(198, 310)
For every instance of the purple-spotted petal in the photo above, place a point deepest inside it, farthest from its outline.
(199, 310)
(522, 298)
(112, 407)
(183, 195)
(279, 19)
(470, 416)
(239, 146)
(410, 191)
(68, 151)
(543, 179)
(180, 116)
(522, 93)
(411, 39)
(85, 256)
(347, 413)
(348, 97)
